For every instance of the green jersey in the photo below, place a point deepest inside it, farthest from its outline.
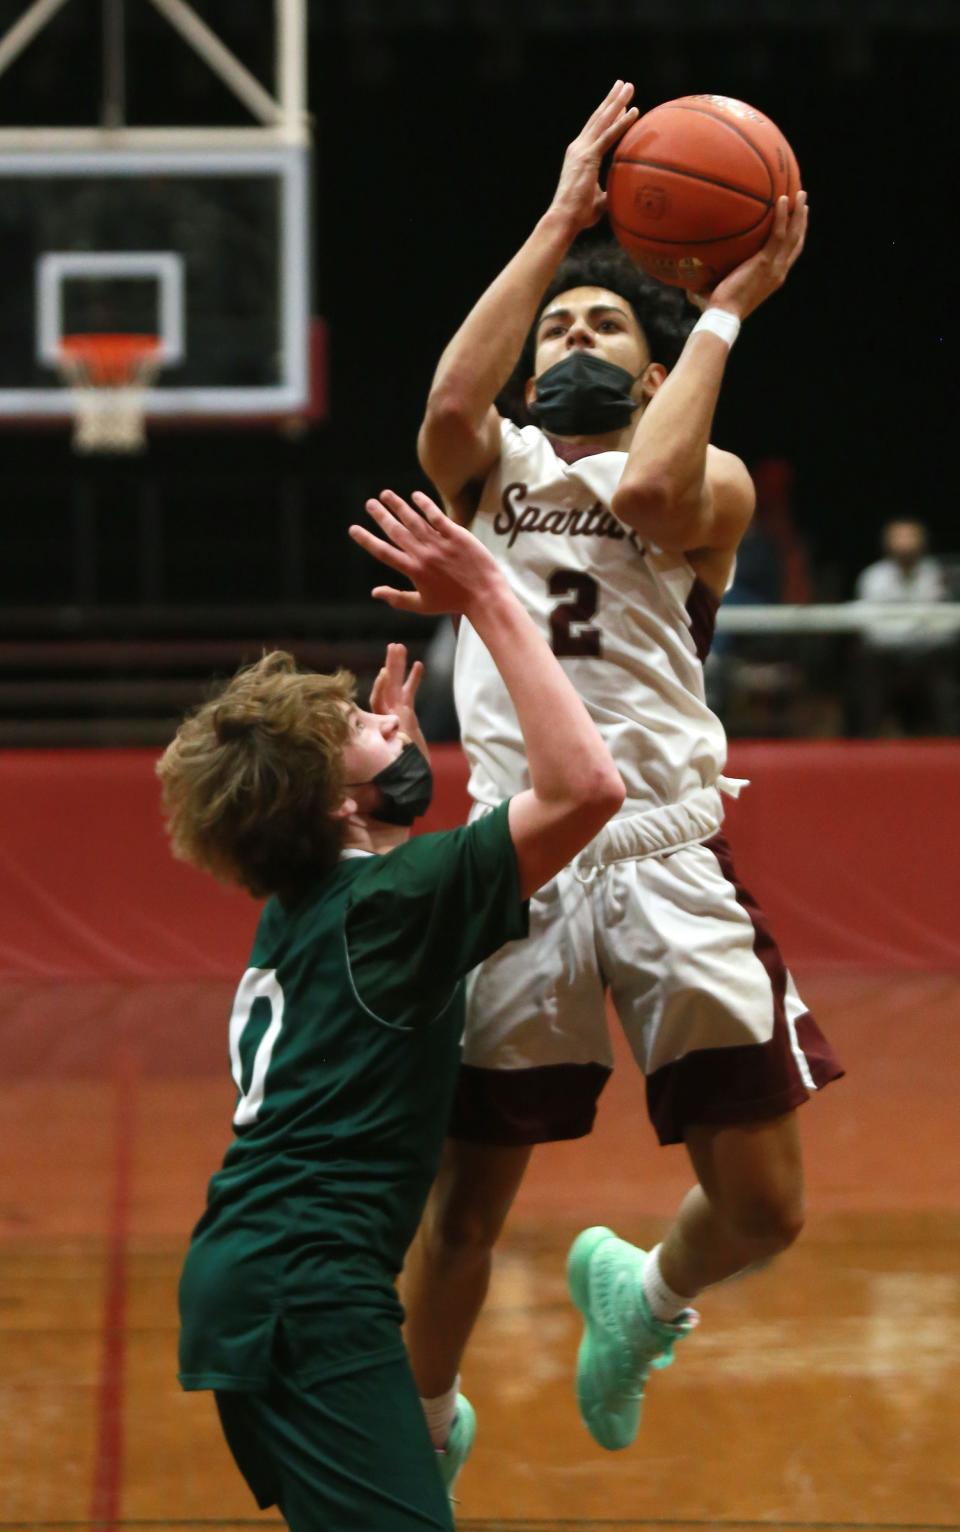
(344, 1045)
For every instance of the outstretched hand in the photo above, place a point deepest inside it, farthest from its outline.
(449, 568)
(579, 195)
(749, 284)
(394, 691)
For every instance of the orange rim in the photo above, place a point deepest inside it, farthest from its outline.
(109, 360)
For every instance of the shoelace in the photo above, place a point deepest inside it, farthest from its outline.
(686, 1320)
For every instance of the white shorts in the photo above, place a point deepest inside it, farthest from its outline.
(711, 1014)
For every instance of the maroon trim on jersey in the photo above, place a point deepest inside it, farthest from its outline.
(749, 1084)
(539, 1105)
(572, 452)
(702, 606)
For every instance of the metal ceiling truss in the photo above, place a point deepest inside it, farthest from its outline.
(280, 116)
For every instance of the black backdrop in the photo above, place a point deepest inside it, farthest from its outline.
(440, 130)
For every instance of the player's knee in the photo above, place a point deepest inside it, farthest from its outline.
(461, 1233)
(770, 1216)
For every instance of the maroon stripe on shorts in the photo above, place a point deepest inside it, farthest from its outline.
(702, 607)
(540, 1105)
(748, 1084)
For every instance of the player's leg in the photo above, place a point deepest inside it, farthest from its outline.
(447, 1271)
(536, 1057)
(729, 1051)
(445, 1281)
(746, 1208)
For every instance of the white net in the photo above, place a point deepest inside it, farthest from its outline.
(108, 377)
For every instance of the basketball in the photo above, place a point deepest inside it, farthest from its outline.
(693, 187)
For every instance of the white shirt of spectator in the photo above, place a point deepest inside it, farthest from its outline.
(888, 581)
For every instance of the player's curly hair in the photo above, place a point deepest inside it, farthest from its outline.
(252, 775)
(662, 313)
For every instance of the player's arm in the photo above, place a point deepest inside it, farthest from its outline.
(459, 440)
(575, 785)
(677, 491)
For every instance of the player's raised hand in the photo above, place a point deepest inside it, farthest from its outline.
(579, 196)
(449, 568)
(749, 284)
(394, 691)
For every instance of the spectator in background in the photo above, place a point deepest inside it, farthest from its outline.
(750, 680)
(906, 573)
(773, 477)
(904, 670)
(757, 581)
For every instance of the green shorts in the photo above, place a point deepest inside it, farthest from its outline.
(349, 1454)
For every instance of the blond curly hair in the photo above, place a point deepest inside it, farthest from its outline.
(252, 776)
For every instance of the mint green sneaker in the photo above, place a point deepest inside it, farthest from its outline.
(453, 1456)
(621, 1339)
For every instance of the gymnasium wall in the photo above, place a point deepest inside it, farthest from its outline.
(851, 847)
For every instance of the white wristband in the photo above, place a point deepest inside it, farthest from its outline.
(718, 322)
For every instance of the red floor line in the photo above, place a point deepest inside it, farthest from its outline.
(108, 1452)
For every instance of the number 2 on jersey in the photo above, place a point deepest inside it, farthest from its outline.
(256, 984)
(570, 629)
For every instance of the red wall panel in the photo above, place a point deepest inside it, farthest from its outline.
(853, 849)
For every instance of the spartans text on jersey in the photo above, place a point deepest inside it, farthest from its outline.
(514, 517)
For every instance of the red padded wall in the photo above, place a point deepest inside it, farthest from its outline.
(853, 849)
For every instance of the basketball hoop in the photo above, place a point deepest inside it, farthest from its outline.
(108, 375)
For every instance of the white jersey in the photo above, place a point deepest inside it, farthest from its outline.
(630, 624)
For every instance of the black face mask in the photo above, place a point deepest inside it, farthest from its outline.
(583, 396)
(407, 788)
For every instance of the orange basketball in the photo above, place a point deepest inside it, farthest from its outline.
(693, 187)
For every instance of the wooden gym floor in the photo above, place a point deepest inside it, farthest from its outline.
(820, 1394)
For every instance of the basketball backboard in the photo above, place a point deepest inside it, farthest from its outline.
(199, 235)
